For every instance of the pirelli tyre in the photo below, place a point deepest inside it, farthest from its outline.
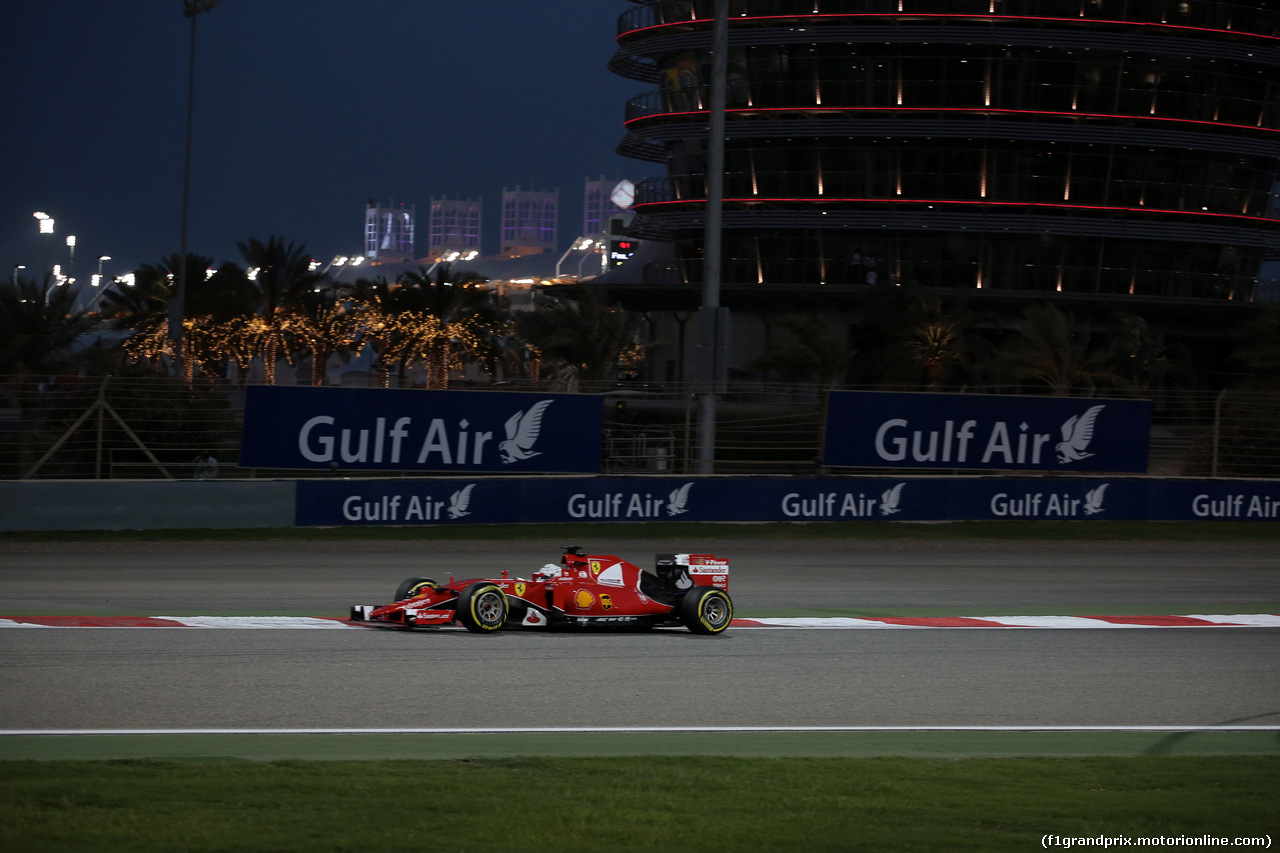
(483, 608)
(413, 587)
(706, 610)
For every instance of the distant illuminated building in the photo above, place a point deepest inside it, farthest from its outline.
(454, 227)
(606, 215)
(528, 222)
(601, 200)
(1099, 155)
(1096, 150)
(388, 232)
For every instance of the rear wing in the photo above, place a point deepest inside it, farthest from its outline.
(696, 569)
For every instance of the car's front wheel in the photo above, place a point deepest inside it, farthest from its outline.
(414, 587)
(706, 610)
(483, 608)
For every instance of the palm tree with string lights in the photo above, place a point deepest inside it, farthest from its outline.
(283, 277)
(437, 316)
(218, 303)
(326, 325)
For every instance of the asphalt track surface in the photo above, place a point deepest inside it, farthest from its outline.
(275, 679)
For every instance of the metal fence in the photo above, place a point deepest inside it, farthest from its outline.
(124, 429)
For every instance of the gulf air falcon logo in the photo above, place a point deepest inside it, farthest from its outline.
(890, 499)
(1093, 500)
(523, 429)
(1077, 432)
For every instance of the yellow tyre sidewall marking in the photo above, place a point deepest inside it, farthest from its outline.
(479, 620)
(702, 613)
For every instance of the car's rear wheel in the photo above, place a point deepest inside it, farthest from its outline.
(706, 610)
(483, 608)
(414, 587)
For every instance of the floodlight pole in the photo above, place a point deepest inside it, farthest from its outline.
(712, 319)
(177, 303)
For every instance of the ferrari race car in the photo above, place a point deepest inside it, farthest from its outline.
(583, 591)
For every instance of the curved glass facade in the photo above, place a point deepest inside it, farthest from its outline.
(1089, 147)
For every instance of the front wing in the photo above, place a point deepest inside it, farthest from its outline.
(534, 616)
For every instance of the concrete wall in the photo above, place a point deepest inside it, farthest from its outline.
(145, 505)
(158, 505)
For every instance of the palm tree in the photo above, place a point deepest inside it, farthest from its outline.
(1141, 359)
(212, 301)
(1258, 344)
(283, 276)
(38, 328)
(141, 308)
(892, 338)
(325, 326)
(438, 317)
(937, 346)
(1050, 349)
(582, 337)
(804, 349)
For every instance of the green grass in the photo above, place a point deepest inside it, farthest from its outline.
(1199, 531)
(698, 803)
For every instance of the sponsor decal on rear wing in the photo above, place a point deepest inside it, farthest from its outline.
(706, 569)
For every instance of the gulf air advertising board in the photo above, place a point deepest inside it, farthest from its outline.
(873, 429)
(371, 429)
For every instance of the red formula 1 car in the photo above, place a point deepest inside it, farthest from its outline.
(585, 590)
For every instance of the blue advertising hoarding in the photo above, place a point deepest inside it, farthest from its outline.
(873, 429)
(414, 430)
(544, 500)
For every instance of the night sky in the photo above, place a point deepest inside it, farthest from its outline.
(303, 112)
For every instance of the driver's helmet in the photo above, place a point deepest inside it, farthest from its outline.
(550, 570)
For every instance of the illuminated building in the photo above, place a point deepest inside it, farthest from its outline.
(1101, 153)
(388, 232)
(528, 225)
(453, 227)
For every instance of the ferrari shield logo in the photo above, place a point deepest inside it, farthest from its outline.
(595, 567)
(520, 590)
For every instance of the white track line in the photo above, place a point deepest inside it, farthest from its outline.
(630, 729)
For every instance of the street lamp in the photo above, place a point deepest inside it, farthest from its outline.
(100, 260)
(579, 245)
(588, 244)
(17, 267)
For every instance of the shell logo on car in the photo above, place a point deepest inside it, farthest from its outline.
(583, 600)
